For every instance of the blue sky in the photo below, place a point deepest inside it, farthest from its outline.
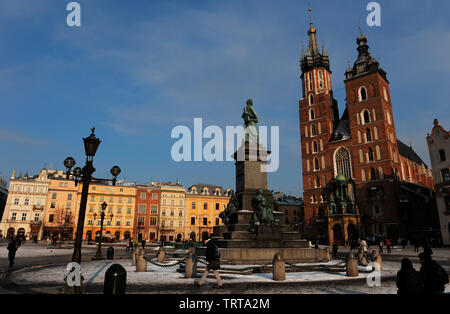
(136, 69)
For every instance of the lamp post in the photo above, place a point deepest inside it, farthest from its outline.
(98, 254)
(84, 175)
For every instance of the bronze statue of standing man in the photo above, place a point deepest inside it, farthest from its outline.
(251, 123)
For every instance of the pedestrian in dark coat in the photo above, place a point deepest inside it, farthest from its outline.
(335, 249)
(409, 280)
(212, 263)
(434, 277)
(12, 248)
(380, 246)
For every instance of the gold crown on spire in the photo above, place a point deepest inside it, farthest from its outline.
(311, 28)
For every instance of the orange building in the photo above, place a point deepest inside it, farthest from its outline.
(146, 217)
(204, 203)
(60, 207)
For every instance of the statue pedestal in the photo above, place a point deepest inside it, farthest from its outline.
(239, 246)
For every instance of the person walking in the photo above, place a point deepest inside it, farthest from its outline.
(380, 247)
(12, 248)
(409, 280)
(434, 277)
(131, 244)
(388, 246)
(335, 249)
(143, 241)
(212, 263)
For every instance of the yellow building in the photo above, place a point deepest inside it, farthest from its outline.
(60, 207)
(204, 203)
(119, 214)
(172, 212)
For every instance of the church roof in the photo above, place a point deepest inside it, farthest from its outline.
(408, 152)
(342, 131)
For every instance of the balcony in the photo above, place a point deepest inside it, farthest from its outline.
(38, 207)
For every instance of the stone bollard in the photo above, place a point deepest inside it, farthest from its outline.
(161, 255)
(376, 258)
(363, 261)
(141, 262)
(279, 268)
(352, 266)
(110, 253)
(189, 271)
(115, 280)
(135, 254)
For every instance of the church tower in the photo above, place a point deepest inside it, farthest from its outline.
(375, 150)
(318, 119)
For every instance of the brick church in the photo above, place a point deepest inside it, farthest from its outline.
(359, 180)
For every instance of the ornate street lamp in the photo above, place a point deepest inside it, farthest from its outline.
(84, 175)
(98, 254)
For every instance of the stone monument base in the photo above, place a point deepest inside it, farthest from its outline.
(239, 246)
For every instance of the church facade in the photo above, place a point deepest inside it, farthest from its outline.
(359, 180)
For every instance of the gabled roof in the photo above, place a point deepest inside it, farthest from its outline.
(408, 152)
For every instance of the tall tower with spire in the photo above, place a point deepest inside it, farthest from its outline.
(318, 120)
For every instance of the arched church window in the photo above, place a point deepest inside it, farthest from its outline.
(320, 79)
(370, 154)
(342, 162)
(368, 135)
(316, 164)
(363, 175)
(311, 100)
(372, 174)
(318, 182)
(366, 116)
(381, 173)
(313, 130)
(363, 94)
(312, 114)
(315, 147)
(310, 81)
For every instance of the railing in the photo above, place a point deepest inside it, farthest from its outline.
(36, 207)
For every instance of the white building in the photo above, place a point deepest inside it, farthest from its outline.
(25, 205)
(439, 148)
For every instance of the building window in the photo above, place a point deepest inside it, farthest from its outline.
(141, 209)
(119, 210)
(153, 221)
(128, 222)
(315, 147)
(362, 94)
(51, 218)
(217, 206)
(13, 216)
(192, 221)
(120, 200)
(16, 201)
(217, 221)
(312, 114)
(317, 182)
(52, 205)
(372, 174)
(92, 198)
(130, 200)
(311, 100)
(445, 175)
(154, 196)
(27, 201)
(180, 213)
(316, 164)
(90, 221)
(36, 217)
(154, 209)
(54, 196)
(102, 198)
(163, 213)
(128, 210)
(368, 135)
(370, 154)
(68, 205)
(141, 221)
(205, 205)
(205, 221)
(171, 224)
(442, 155)
(313, 130)
(172, 213)
(342, 163)
(69, 196)
(366, 116)
(143, 196)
